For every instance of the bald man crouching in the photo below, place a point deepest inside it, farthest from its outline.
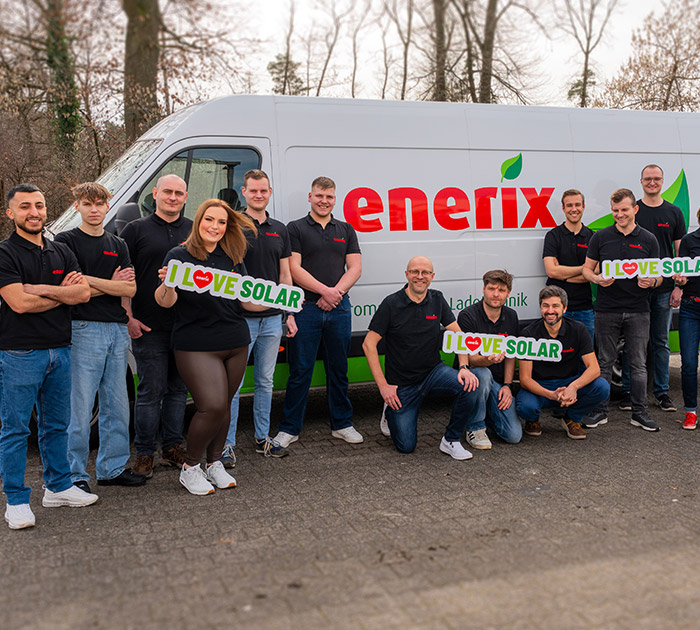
(410, 322)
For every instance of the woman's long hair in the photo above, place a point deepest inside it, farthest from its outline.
(233, 242)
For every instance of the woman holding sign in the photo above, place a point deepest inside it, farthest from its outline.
(210, 338)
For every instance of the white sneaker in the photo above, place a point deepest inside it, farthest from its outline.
(216, 474)
(285, 439)
(19, 516)
(194, 479)
(384, 423)
(454, 449)
(73, 497)
(478, 439)
(349, 434)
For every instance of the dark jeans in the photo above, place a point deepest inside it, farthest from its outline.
(689, 336)
(530, 405)
(161, 396)
(586, 317)
(635, 328)
(331, 331)
(442, 381)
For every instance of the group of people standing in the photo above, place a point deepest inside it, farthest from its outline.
(105, 292)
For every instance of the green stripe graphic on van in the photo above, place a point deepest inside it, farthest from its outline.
(678, 195)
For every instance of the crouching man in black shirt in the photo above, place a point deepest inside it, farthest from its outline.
(562, 384)
(410, 321)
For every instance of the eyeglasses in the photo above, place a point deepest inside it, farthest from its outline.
(420, 274)
(656, 180)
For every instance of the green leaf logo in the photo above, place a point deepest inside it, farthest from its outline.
(678, 195)
(511, 168)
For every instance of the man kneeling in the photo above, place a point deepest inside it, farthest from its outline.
(562, 384)
(409, 321)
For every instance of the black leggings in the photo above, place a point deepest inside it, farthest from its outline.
(213, 379)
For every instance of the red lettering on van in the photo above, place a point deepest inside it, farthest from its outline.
(445, 212)
(355, 214)
(509, 207)
(538, 211)
(482, 198)
(398, 210)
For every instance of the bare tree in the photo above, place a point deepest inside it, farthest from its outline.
(404, 31)
(356, 30)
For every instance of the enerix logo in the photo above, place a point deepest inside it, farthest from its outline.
(452, 208)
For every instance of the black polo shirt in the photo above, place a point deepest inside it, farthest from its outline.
(412, 334)
(25, 263)
(98, 256)
(204, 322)
(575, 343)
(690, 246)
(667, 224)
(623, 295)
(570, 250)
(474, 319)
(323, 250)
(262, 258)
(149, 240)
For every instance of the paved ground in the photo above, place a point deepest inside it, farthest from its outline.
(551, 533)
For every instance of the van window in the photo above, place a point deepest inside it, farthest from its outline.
(210, 173)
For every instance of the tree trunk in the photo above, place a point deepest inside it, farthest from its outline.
(485, 91)
(440, 87)
(142, 54)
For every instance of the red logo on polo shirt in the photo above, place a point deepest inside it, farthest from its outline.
(339, 240)
(636, 246)
(272, 234)
(582, 245)
(569, 350)
(57, 272)
(663, 225)
(431, 317)
(106, 253)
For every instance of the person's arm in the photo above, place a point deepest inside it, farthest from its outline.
(135, 326)
(562, 272)
(330, 296)
(22, 302)
(592, 372)
(530, 384)
(353, 271)
(505, 394)
(590, 273)
(73, 290)
(388, 392)
(285, 272)
(164, 296)
(121, 284)
(465, 376)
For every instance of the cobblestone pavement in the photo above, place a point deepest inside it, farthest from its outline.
(551, 533)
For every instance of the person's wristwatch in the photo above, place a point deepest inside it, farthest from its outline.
(509, 385)
(463, 367)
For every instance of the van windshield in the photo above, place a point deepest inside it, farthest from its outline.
(113, 179)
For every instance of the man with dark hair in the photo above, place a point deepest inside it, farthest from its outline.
(562, 384)
(622, 306)
(410, 321)
(326, 262)
(564, 253)
(492, 316)
(666, 222)
(267, 257)
(39, 279)
(100, 344)
(159, 412)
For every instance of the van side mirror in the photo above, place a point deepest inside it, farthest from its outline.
(126, 214)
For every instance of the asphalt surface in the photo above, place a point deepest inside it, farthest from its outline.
(550, 533)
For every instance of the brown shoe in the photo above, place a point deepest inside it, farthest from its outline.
(143, 466)
(574, 430)
(175, 455)
(533, 428)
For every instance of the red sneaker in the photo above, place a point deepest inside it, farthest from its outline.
(691, 420)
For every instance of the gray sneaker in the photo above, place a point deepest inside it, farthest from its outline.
(594, 419)
(642, 420)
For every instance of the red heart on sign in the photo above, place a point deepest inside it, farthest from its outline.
(629, 268)
(202, 278)
(472, 343)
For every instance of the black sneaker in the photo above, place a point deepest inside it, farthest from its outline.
(83, 485)
(664, 401)
(625, 403)
(594, 419)
(642, 420)
(126, 478)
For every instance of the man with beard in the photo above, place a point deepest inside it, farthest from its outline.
(562, 384)
(492, 316)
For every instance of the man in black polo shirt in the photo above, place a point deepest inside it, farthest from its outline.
(492, 316)
(562, 384)
(267, 257)
(564, 253)
(326, 262)
(38, 280)
(622, 306)
(665, 221)
(161, 397)
(100, 344)
(410, 321)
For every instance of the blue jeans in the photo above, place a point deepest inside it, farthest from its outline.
(442, 381)
(331, 331)
(504, 422)
(161, 396)
(265, 335)
(658, 351)
(586, 317)
(29, 377)
(530, 405)
(689, 337)
(635, 328)
(99, 358)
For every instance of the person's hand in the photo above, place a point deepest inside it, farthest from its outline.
(332, 296)
(123, 275)
(646, 283)
(569, 396)
(496, 358)
(390, 396)
(291, 326)
(161, 273)
(136, 328)
(324, 305)
(557, 394)
(505, 397)
(73, 277)
(604, 282)
(676, 295)
(468, 379)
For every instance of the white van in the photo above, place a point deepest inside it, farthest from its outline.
(474, 187)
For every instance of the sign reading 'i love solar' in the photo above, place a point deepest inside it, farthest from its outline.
(650, 267)
(233, 286)
(517, 347)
